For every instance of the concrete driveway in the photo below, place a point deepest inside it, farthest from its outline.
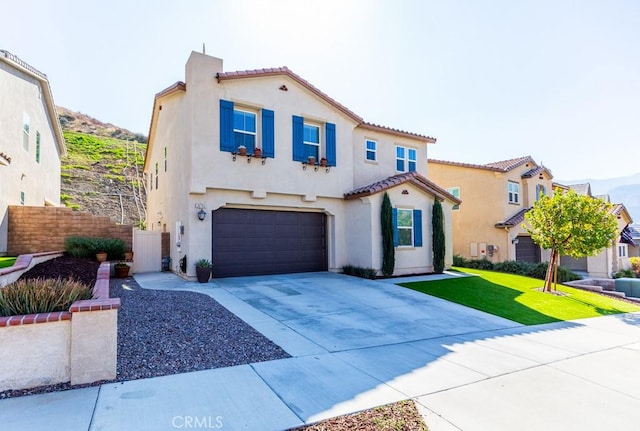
(359, 343)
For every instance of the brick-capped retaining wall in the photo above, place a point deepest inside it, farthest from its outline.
(79, 345)
(39, 229)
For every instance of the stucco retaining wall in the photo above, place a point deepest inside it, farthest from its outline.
(77, 346)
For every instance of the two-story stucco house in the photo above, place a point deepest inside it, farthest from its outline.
(496, 197)
(31, 142)
(230, 177)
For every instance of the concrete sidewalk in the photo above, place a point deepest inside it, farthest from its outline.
(360, 343)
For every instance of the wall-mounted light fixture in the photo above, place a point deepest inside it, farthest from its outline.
(202, 214)
(515, 241)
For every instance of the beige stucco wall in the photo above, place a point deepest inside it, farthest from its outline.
(22, 94)
(94, 344)
(35, 355)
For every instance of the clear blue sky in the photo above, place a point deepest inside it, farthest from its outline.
(490, 79)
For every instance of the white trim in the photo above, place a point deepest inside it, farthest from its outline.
(367, 150)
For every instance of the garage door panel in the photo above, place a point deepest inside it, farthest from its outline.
(252, 242)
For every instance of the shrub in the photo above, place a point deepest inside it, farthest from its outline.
(82, 246)
(459, 260)
(358, 271)
(635, 264)
(388, 246)
(41, 296)
(535, 270)
(625, 273)
(438, 243)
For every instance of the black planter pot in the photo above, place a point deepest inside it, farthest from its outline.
(203, 274)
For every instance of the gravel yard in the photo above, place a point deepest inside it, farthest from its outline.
(164, 332)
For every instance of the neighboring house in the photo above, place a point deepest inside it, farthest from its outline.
(612, 259)
(631, 235)
(496, 196)
(275, 212)
(31, 142)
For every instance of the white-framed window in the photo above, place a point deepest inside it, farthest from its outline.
(540, 191)
(406, 159)
(37, 147)
(622, 250)
(405, 227)
(21, 198)
(371, 148)
(455, 191)
(514, 192)
(25, 131)
(311, 140)
(244, 128)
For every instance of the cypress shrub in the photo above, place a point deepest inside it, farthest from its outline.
(388, 249)
(438, 243)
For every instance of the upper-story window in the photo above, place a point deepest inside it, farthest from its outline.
(540, 191)
(21, 198)
(514, 192)
(252, 128)
(311, 140)
(371, 150)
(244, 129)
(405, 159)
(25, 131)
(455, 191)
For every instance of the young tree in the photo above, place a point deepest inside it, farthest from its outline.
(570, 224)
(388, 250)
(438, 243)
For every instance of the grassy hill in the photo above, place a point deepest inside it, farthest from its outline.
(102, 172)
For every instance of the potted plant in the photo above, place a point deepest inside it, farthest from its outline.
(128, 255)
(257, 152)
(101, 256)
(323, 162)
(203, 270)
(311, 160)
(121, 269)
(242, 150)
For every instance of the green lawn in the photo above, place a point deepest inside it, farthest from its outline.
(514, 297)
(6, 261)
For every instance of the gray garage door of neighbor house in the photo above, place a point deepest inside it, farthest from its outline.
(258, 242)
(527, 250)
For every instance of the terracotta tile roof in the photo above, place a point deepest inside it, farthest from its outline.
(581, 189)
(537, 171)
(413, 177)
(500, 166)
(287, 72)
(514, 220)
(397, 132)
(355, 117)
(507, 165)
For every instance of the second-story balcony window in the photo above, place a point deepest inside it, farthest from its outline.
(244, 129)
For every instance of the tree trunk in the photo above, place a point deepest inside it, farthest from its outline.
(550, 271)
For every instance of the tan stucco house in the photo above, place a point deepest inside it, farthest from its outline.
(496, 196)
(31, 141)
(611, 259)
(280, 211)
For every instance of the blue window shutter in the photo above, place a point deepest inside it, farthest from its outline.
(394, 218)
(417, 228)
(268, 145)
(226, 126)
(298, 138)
(330, 129)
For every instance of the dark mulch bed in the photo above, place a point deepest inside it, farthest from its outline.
(164, 332)
(82, 270)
